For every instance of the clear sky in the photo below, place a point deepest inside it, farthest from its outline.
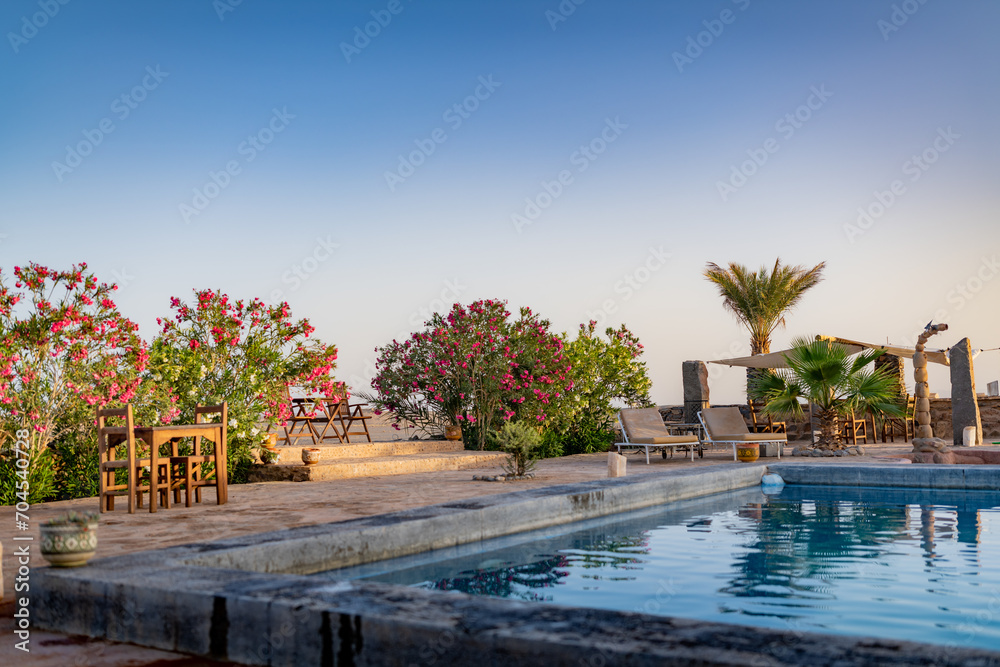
(586, 160)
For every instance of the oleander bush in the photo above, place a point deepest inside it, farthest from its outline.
(66, 350)
(477, 368)
(474, 367)
(245, 353)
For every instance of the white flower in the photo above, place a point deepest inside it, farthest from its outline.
(252, 378)
(192, 392)
(233, 422)
(203, 370)
(254, 431)
(241, 435)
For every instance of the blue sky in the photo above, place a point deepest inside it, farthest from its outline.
(565, 160)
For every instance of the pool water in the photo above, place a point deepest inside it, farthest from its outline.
(910, 564)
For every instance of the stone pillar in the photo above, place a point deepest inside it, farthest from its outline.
(895, 368)
(923, 435)
(964, 406)
(616, 465)
(695, 376)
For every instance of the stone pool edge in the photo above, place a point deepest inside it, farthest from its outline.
(224, 599)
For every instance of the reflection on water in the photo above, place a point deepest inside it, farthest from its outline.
(897, 563)
(502, 579)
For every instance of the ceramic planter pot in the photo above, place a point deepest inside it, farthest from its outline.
(310, 455)
(70, 545)
(748, 452)
(452, 432)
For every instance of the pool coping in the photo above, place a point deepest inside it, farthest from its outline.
(227, 599)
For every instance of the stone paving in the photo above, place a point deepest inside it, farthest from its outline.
(262, 507)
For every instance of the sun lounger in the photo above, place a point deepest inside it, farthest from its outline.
(643, 429)
(725, 426)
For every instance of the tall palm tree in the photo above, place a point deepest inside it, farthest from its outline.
(824, 374)
(760, 299)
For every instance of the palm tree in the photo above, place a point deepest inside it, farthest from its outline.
(760, 300)
(824, 374)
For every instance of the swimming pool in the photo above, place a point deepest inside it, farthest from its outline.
(914, 564)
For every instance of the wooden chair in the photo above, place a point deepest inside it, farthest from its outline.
(304, 412)
(893, 426)
(761, 422)
(346, 415)
(188, 469)
(854, 427)
(109, 439)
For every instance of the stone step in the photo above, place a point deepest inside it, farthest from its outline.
(294, 471)
(336, 451)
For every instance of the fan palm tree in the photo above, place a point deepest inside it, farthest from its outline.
(824, 374)
(760, 299)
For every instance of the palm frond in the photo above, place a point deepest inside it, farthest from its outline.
(760, 299)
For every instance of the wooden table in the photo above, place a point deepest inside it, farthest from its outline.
(157, 436)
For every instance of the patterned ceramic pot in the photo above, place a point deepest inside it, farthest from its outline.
(310, 455)
(70, 545)
(748, 452)
(452, 432)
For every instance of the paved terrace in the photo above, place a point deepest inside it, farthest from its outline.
(263, 507)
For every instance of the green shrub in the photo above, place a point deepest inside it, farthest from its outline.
(606, 374)
(34, 483)
(520, 442)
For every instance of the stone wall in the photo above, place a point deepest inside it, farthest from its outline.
(989, 411)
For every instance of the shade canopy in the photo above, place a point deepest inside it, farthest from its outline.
(933, 356)
(777, 359)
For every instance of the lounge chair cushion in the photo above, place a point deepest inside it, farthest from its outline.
(666, 440)
(644, 426)
(750, 437)
(727, 425)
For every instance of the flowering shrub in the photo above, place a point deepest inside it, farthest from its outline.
(472, 367)
(64, 350)
(244, 353)
(607, 375)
